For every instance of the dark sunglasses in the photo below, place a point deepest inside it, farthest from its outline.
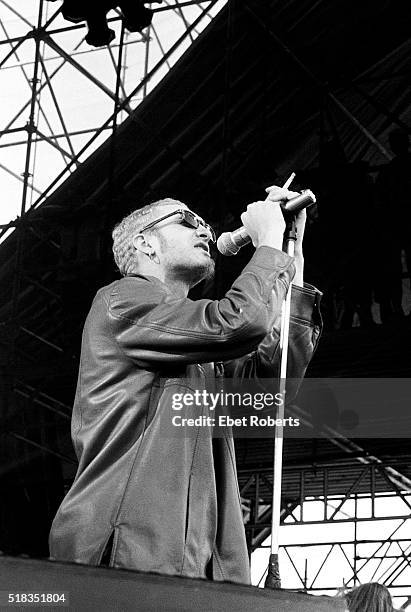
(186, 216)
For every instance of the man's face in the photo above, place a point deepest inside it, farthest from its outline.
(183, 251)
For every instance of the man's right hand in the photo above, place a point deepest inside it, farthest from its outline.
(265, 223)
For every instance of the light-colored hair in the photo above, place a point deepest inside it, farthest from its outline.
(124, 232)
(370, 597)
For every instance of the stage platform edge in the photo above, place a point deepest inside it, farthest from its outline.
(101, 589)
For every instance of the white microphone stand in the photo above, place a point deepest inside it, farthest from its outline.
(273, 580)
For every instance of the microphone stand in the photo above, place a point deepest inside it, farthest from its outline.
(273, 579)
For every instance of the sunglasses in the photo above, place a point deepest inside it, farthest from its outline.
(186, 216)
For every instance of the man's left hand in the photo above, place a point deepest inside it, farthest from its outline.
(276, 194)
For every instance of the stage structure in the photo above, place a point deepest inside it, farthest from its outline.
(47, 66)
(260, 92)
(371, 511)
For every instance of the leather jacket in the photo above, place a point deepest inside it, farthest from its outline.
(170, 504)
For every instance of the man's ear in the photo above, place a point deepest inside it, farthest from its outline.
(143, 245)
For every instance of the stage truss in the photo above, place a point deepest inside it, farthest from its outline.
(62, 98)
(364, 536)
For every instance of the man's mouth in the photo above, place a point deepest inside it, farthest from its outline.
(204, 246)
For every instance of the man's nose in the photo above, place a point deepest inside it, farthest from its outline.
(202, 231)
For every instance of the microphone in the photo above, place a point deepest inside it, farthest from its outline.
(230, 243)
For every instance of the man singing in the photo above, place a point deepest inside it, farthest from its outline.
(170, 504)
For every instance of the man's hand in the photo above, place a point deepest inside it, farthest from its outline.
(276, 194)
(279, 194)
(264, 223)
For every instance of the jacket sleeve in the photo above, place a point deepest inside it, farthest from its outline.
(152, 326)
(304, 334)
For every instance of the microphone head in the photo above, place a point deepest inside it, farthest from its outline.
(226, 245)
(230, 243)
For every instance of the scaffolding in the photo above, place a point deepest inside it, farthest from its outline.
(364, 535)
(66, 98)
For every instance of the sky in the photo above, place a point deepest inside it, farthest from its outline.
(68, 99)
(337, 569)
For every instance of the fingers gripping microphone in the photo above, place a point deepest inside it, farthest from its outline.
(230, 243)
